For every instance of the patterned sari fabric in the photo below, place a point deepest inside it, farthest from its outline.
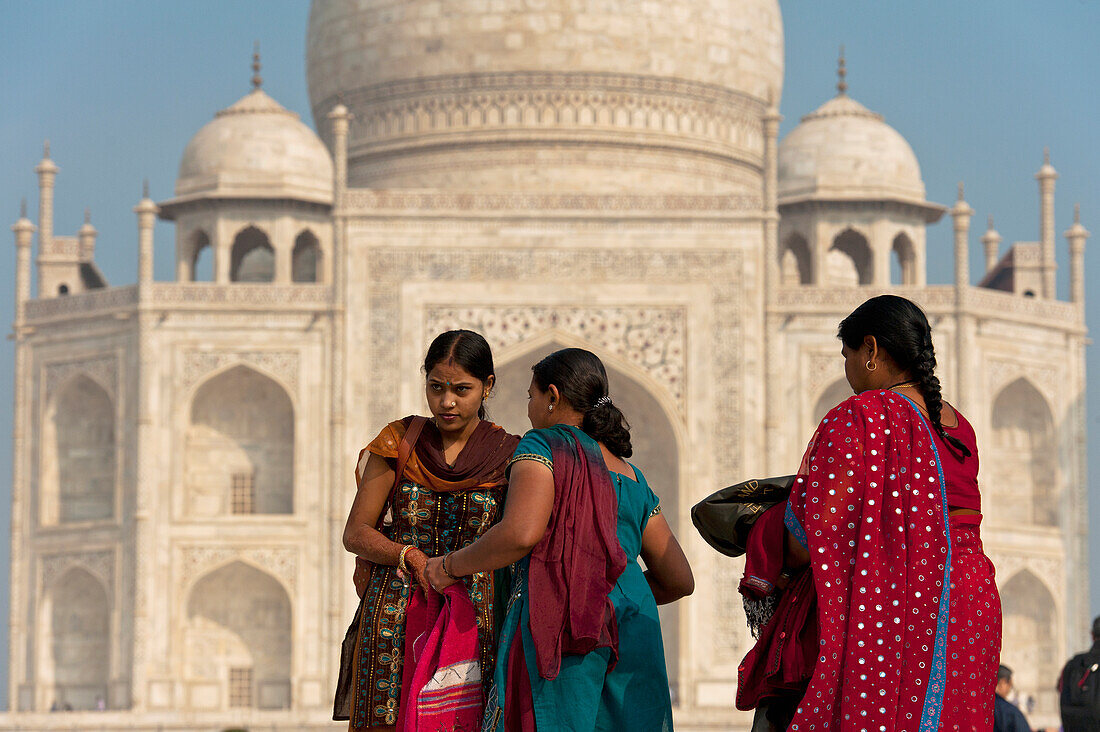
(438, 509)
(870, 507)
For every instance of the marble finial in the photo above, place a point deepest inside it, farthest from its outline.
(961, 191)
(1046, 156)
(257, 80)
(23, 209)
(46, 149)
(145, 188)
(990, 222)
(1076, 213)
(87, 215)
(841, 72)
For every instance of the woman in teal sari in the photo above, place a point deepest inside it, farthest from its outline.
(580, 645)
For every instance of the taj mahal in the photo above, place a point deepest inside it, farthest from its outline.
(549, 173)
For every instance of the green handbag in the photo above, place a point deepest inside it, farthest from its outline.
(724, 518)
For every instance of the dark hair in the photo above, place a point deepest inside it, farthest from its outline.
(582, 381)
(1004, 673)
(1096, 628)
(901, 329)
(464, 348)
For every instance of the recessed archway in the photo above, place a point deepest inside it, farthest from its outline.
(1024, 465)
(238, 637)
(849, 260)
(200, 259)
(80, 469)
(1030, 639)
(904, 261)
(306, 258)
(795, 262)
(76, 658)
(240, 446)
(252, 258)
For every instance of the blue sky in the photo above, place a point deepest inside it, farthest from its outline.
(977, 87)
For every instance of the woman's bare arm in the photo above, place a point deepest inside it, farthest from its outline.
(360, 536)
(526, 515)
(667, 569)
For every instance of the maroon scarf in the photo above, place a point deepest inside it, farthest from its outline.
(576, 564)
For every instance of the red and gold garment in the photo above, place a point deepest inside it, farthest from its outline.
(437, 508)
(870, 507)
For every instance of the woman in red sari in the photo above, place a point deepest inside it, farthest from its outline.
(886, 512)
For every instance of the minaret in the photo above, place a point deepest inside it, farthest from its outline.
(1076, 236)
(773, 407)
(961, 213)
(991, 242)
(24, 230)
(1046, 177)
(86, 236)
(47, 172)
(146, 212)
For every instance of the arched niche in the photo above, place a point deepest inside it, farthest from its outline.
(653, 438)
(1024, 467)
(240, 446)
(75, 658)
(849, 260)
(252, 258)
(306, 258)
(79, 470)
(794, 261)
(238, 638)
(836, 392)
(1029, 643)
(62, 289)
(199, 258)
(903, 261)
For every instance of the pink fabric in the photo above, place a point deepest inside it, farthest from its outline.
(869, 506)
(441, 680)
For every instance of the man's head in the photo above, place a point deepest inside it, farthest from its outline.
(1096, 628)
(1004, 681)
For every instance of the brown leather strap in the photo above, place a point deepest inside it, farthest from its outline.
(404, 452)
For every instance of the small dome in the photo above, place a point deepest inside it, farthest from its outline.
(256, 149)
(844, 151)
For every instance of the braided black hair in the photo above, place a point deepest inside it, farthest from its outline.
(902, 330)
(582, 382)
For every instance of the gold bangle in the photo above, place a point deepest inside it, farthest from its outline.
(401, 559)
(445, 570)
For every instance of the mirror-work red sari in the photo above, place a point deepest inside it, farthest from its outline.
(870, 507)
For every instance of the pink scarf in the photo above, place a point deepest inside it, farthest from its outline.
(441, 680)
(869, 505)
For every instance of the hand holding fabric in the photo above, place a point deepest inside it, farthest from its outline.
(437, 578)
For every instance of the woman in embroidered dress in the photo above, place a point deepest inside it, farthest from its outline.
(886, 512)
(580, 645)
(448, 494)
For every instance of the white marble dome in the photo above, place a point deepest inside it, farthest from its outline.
(548, 94)
(256, 149)
(843, 151)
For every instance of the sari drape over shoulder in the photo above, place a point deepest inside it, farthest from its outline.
(869, 506)
(575, 565)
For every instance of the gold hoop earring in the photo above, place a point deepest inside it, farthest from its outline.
(871, 365)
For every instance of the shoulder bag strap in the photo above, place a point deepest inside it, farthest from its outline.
(404, 452)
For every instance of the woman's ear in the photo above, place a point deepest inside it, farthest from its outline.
(490, 382)
(871, 345)
(555, 395)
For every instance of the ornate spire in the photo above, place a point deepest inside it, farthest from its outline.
(990, 222)
(257, 80)
(23, 209)
(145, 188)
(87, 215)
(841, 72)
(1076, 213)
(961, 198)
(46, 149)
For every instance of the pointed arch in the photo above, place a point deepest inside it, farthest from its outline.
(1025, 457)
(306, 258)
(75, 655)
(199, 258)
(795, 263)
(904, 260)
(656, 442)
(80, 466)
(849, 260)
(1031, 629)
(252, 257)
(238, 639)
(240, 446)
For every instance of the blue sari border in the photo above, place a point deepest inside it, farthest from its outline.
(795, 527)
(937, 677)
